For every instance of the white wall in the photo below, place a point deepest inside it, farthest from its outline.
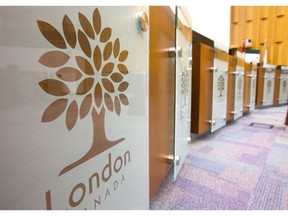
(211, 19)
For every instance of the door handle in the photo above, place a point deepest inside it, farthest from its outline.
(170, 159)
(212, 122)
(172, 52)
(214, 68)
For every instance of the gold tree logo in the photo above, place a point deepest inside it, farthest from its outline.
(284, 85)
(98, 77)
(269, 85)
(240, 85)
(221, 85)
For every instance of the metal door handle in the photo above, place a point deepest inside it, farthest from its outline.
(170, 159)
(212, 122)
(214, 68)
(172, 52)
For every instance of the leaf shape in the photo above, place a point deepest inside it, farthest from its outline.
(86, 25)
(98, 95)
(85, 86)
(84, 65)
(105, 35)
(122, 68)
(54, 59)
(123, 55)
(97, 21)
(117, 106)
(116, 48)
(107, 51)
(54, 110)
(54, 87)
(84, 43)
(69, 74)
(97, 58)
(85, 106)
(108, 101)
(117, 77)
(71, 115)
(124, 99)
(69, 31)
(123, 86)
(108, 85)
(107, 69)
(51, 34)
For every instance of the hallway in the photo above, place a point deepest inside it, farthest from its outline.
(243, 166)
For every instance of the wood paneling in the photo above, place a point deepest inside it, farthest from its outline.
(231, 87)
(249, 13)
(264, 12)
(281, 11)
(260, 86)
(261, 24)
(280, 23)
(202, 82)
(161, 94)
(235, 14)
(221, 55)
(234, 35)
(263, 31)
(277, 86)
(237, 32)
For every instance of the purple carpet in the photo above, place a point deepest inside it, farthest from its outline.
(243, 166)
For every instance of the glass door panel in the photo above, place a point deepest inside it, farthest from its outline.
(74, 108)
(239, 84)
(183, 66)
(268, 93)
(220, 81)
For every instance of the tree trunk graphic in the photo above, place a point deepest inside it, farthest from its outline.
(100, 142)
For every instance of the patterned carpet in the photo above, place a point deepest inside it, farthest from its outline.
(239, 167)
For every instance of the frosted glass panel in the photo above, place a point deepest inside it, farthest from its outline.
(283, 88)
(239, 85)
(268, 92)
(74, 108)
(253, 89)
(183, 89)
(220, 79)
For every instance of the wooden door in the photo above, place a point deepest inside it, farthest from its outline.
(202, 85)
(161, 93)
(276, 97)
(260, 86)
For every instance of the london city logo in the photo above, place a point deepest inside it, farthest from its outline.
(99, 77)
(89, 80)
